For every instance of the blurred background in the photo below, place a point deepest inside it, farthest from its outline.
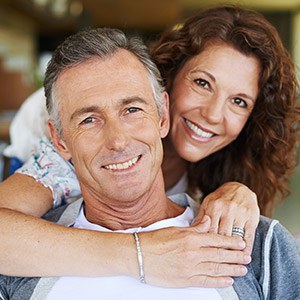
(31, 29)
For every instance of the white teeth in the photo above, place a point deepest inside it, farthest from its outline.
(197, 130)
(122, 166)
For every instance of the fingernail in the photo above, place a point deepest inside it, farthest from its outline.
(244, 270)
(247, 259)
(229, 281)
(242, 244)
(204, 219)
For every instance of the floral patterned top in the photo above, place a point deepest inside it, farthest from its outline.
(46, 166)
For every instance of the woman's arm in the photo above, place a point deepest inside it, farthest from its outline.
(173, 257)
(24, 194)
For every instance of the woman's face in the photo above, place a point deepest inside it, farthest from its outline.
(211, 99)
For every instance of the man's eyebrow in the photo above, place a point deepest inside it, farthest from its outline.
(84, 110)
(95, 108)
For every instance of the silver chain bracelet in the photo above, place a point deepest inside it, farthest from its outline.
(139, 257)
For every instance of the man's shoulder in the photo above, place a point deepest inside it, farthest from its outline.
(266, 225)
(273, 240)
(185, 200)
(17, 288)
(20, 288)
(66, 214)
(270, 230)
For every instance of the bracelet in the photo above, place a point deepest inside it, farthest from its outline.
(139, 257)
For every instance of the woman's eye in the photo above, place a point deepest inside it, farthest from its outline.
(202, 83)
(87, 120)
(240, 102)
(133, 110)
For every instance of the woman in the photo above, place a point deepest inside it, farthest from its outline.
(253, 111)
(264, 154)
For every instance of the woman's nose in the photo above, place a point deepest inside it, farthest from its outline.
(213, 110)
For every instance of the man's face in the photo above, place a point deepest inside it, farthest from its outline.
(111, 127)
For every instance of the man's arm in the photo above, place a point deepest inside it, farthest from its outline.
(173, 257)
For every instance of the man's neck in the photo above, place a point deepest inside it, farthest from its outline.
(151, 207)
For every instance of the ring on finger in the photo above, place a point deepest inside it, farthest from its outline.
(238, 231)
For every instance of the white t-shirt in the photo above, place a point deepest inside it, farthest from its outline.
(124, 287)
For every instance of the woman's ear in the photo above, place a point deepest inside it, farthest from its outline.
(58, 142)
(165, 115)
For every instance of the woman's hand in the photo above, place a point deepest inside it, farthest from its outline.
(232, 204)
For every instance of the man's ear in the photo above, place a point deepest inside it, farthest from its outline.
(165, 115)
(58, 142)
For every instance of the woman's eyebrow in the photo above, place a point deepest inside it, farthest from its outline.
(204, 72)
(243, 95)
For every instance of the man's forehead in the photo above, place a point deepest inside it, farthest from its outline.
(120, 67)
(121, 58)
(105, 82)
(119, 72)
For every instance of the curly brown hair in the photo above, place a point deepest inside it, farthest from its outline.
(264, 154)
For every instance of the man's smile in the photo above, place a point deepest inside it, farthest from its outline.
(122, 166)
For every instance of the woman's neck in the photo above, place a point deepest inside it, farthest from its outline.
(173, 165)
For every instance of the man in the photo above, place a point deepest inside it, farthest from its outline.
(108, 114)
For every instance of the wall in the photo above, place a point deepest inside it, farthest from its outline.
(288, 212)
(17, 58)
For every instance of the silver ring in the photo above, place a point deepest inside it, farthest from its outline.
(238, 231)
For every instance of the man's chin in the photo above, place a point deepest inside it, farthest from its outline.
(127, 195)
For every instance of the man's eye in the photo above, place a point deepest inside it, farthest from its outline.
(87, 120)
(202, 83)
(240, 102)
(133, 109)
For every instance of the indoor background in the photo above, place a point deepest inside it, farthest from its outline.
(31, 29)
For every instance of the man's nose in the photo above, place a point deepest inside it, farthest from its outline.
(214, 109)
(116, 136)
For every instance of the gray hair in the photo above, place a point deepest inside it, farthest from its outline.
(100, 42)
